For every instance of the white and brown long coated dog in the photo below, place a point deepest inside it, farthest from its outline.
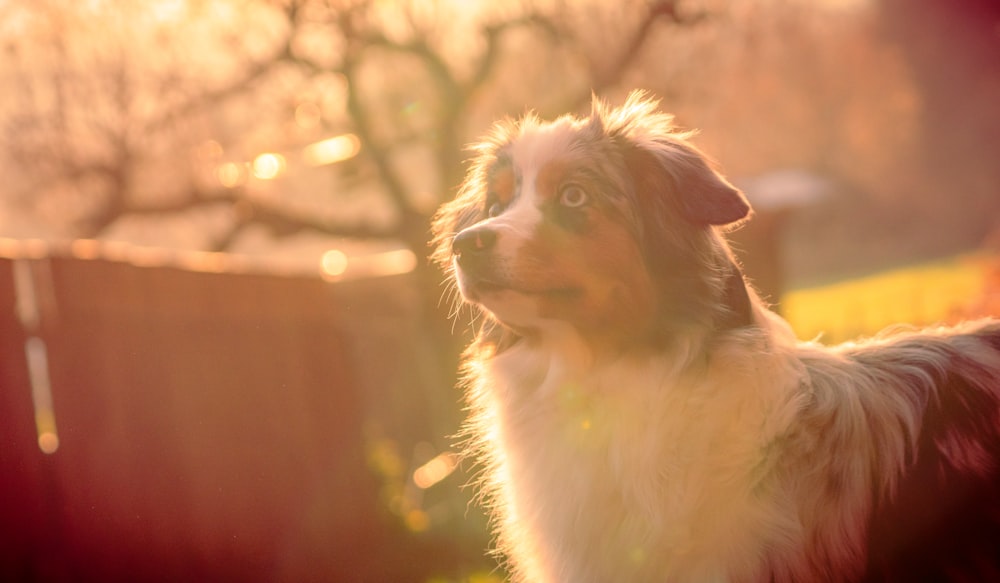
(643, 417)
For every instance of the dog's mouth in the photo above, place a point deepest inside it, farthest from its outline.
(482, 286)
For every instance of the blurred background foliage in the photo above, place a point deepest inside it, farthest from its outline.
(186, 122)
(314, 134)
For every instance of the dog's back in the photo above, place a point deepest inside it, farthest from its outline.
(934, 421)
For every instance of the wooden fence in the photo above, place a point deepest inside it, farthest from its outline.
(207, 426)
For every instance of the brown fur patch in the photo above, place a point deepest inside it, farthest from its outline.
(551, 178)
(502, 183)
(607, 294)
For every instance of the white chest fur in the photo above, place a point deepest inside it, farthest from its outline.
(634, 469)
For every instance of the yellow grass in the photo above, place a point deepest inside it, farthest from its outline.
(920, 295)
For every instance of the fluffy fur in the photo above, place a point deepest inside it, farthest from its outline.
(641, 416)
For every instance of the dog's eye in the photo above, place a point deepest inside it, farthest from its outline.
(572, 196)
(494, 210)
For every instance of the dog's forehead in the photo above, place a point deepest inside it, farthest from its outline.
(538, 146)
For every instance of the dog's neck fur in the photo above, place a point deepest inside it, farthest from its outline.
(750, 458)
(596, 411)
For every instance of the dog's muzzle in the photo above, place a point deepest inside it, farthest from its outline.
(473, 249)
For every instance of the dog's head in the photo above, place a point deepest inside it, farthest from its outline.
(608, 224)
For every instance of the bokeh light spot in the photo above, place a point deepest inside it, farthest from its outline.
(48, 442)
(268, 166)
(417, 520)
(231, 174)
(333, 264)
(439, 468)
(331, 150)
(210, 150)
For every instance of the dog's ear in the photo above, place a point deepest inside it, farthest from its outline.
(679, 172)
(664, 164)
(705, 196)
(679, 198)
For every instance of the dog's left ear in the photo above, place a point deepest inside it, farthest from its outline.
(705, 196)
(678, 170)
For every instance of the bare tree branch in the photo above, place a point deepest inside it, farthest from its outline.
(610, 75)
(281, 221)
(419, 48)
(205, 100)
(353, 24)
(361, 120)
(493, 33)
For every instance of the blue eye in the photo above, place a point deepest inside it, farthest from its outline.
(572, 196)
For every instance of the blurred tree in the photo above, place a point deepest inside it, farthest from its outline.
(952, 48)
(109, 90)
(106, 110)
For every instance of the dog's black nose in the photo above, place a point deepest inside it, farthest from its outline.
(472, 243)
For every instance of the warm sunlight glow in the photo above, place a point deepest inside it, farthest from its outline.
(48, 442)
(149, 257)
(388, 263)
(308, 115)
(168, 11)
(435, 470)
(333, 264)
(205, 261)
(210, 150)
(846, 5)
(268, 166)
(231, 174)
(85, 249)
(417, 520)
(41, 394)
(332, 150)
